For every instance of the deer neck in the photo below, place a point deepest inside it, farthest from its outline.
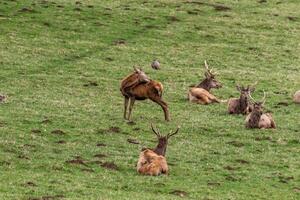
(130, 82)
(204, 84)
(243, 102)
(254, 118)
(160, 149)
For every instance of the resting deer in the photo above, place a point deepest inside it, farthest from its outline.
(152, 161)
(297, 97)
(241, 105)
(201, 93)
(257, 118)
(137, 86)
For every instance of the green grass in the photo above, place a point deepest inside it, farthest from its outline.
(51, 49)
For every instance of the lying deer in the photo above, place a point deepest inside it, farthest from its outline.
(137, 86)
(297, 97)
(257, 118)
(152, 161)
(241, 105)
(201, 93)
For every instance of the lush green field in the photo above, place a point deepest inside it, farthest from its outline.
(61, 126)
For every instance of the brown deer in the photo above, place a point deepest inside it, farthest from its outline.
(201, 93)
(241, 105)
(257, 118)
(297, 97)
(152, 161)
(137, 86)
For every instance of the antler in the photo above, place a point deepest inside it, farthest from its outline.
(171, 134)
(251, 98)
(157, 133)
(264, 98)
(135, 68)
(209, 72)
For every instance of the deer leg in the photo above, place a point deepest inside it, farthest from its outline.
(132, 100)
(163, 105)
(126, 99)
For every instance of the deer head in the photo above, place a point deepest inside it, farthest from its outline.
(141, 75)
(209, 81)
(161, 147)
(246, 91)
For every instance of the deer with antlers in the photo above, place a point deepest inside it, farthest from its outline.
(138, 86)
(258, 118)
(201, 93)
(153, 161)
(241, 105)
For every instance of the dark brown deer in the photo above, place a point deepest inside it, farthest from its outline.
(137, 86)
(201, 93)
(241, 105)
(258, 118)
(153, 161)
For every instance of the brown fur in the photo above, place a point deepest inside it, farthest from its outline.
(152, 161)
(201, 93)
(132, 88)
(240, 105)
(258, 119)
(297, 97)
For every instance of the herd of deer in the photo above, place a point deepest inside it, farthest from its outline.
(138, 86)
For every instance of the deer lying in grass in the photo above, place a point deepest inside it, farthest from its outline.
(297, 97)
(152, 161)
(201, 93)
(241, 105)
(137, 86)
(257, 118)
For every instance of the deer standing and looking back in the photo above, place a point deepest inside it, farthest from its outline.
(137, 86)
(257, 118)
(241, 105)
(201, 93)
(152, 161)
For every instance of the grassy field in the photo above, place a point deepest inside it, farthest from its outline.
(62, 131)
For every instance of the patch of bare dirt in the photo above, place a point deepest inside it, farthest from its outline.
(114, 129)
(232, 178)
(2, 98)
(36, 131)
(109, 165)
(213, 184)
(77, 161)
(292, 18)
(179, 193)
(133, 141)
(29, 184)
(242, 161)
(285, 179)
(120, 42)
(100, 155)
(25, 9)
(230, 168)
(91, 83)
(58, 132)
(100, 145)
(262, 138)
(61, 142)
(236, 143)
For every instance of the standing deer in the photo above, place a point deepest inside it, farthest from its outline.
(137, 86)
(241, 105)
(152, 161)
(201, 93)
(257, 118)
